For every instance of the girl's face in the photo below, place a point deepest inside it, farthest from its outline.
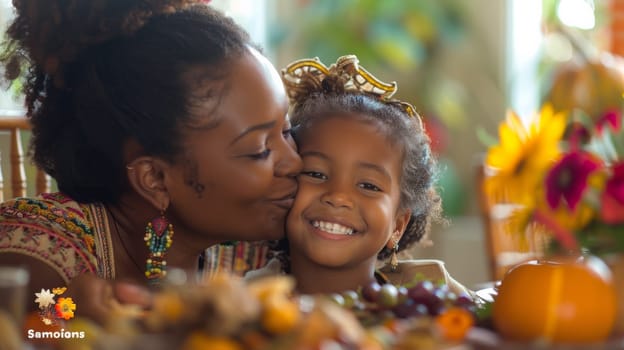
(347, 205)
(237, 181)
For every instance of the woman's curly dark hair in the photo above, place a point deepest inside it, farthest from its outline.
(99, 73)
(418, 191)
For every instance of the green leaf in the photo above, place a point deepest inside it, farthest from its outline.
(486, 138)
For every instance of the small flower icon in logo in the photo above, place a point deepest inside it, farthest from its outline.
(65, 308)
(53, 310)
(59, 291)
(44, 298)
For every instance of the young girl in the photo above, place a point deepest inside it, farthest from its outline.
(366, 190)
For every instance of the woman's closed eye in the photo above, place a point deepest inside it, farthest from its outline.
(260, 155)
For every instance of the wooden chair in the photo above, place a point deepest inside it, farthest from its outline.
(14, 125)
(505, 249)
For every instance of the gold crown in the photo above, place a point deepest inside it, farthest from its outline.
(305, 76)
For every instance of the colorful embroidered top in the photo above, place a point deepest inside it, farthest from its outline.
(74, 238)
(70, 237)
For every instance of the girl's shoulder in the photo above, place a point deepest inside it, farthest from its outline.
(51, 227)
(407, 270)
(422, 269)
(272, 268)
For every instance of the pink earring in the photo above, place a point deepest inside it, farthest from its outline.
(158, 238)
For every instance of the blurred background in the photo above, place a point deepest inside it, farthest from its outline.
(461, 63)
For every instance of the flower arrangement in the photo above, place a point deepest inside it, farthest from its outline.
(565, 174)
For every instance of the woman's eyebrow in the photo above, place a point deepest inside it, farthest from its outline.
(263, 126)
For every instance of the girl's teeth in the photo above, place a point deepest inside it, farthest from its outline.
(333, 228)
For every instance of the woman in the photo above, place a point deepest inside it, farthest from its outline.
(162, 126)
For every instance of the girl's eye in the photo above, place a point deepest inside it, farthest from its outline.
(314, 174)
(287, 133)
(262, 155)
(370, 187)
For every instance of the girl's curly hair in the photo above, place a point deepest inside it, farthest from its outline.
(98, 73)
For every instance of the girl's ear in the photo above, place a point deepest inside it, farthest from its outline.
(400, 223)
(146, 177)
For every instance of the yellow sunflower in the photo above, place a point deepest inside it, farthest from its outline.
(519, 162)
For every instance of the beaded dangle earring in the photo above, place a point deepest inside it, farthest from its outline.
(394, 259)
(158, 238)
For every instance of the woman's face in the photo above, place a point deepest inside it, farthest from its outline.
(346, 207)
(237, 181)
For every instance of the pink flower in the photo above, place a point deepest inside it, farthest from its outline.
(612, 118)
(612, 200)
(568, 179)
(577, 135)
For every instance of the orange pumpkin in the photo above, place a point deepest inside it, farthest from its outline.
(562, 301)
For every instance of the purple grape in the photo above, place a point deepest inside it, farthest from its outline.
(419, 294)
(451, 298)
(410, 309)
(464, 300)
(444, 288)
(435, 304)
(370, 292)
(425, 285)
(403, 297)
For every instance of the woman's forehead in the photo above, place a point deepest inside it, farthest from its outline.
(250, 93)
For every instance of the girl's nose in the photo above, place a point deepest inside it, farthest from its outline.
(337, 198)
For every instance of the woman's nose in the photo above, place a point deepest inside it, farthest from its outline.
(289, 164)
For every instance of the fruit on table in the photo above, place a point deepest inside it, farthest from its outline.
(562, 301)
(454, 323)
(280, 315)
(200, 341)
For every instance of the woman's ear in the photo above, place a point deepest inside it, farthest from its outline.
(400, 224)
(146, 177)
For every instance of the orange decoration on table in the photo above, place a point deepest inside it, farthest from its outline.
(560, 301)
(454, 323)
(280, 315)
(200, 341)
